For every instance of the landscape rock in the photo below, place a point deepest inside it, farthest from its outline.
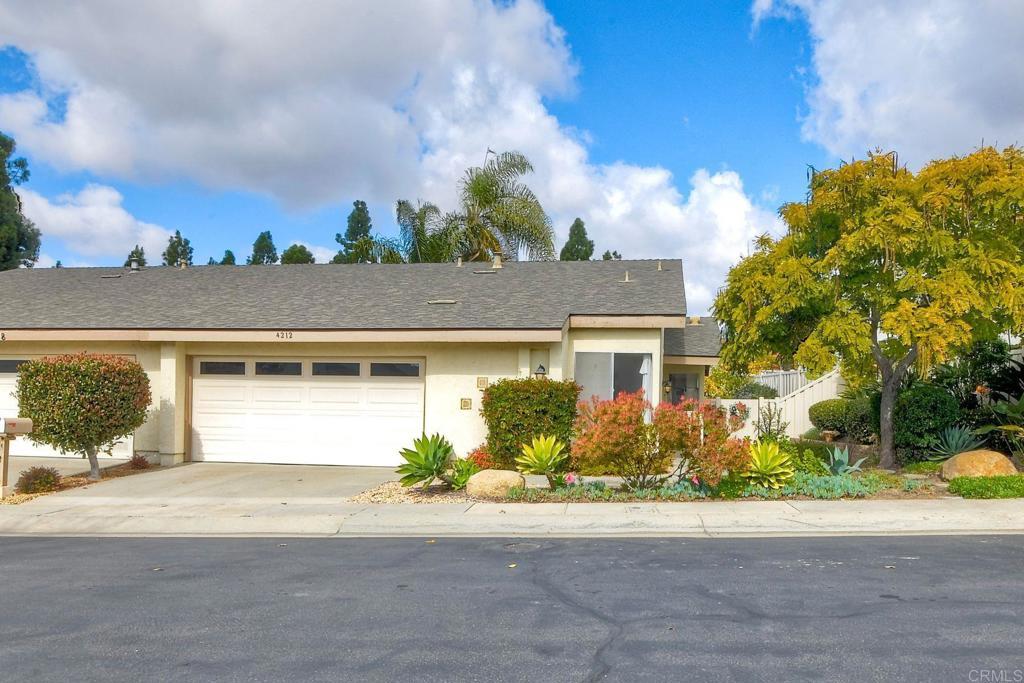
(982, 463)
(494, 484)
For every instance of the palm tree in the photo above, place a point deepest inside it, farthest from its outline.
(500, 214)
(425, 236)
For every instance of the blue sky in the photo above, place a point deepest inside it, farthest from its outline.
(675, 129)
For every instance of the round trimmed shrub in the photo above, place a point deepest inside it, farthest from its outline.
(858, 424)
(920, 413)
(38, 480)
(83, 403)
(829, 414)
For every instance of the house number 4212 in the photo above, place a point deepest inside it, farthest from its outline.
(283, 335)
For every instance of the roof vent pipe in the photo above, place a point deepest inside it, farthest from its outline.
(134, 265)
(659, 264)
(458, 262)
(497, 262)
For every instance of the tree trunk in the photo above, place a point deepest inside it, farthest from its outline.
(886, 447)
(94, 464)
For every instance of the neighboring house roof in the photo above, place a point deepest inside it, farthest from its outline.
(704, 339)
(520, 295)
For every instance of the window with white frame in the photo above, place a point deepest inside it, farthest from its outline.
(607, 374)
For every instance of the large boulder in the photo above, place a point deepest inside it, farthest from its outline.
(981, 463)
(494, 484)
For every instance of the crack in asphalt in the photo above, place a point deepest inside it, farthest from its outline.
(600, 666)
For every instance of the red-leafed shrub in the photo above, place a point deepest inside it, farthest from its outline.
(703, 434)
(614, 437)
(481, 458)
(83, 403)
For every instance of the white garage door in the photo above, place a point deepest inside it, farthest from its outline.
(9, 408)
(312, 411)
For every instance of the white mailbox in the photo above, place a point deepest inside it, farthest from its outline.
(12, 426)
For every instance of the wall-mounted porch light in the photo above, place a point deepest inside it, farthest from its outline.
(540, 372)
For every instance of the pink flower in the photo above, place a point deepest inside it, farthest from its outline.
(570, 478)
(695, 480)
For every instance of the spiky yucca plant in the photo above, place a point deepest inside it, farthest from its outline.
(545, 456)
(769, 467)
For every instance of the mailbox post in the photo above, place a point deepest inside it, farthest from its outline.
(9, 428)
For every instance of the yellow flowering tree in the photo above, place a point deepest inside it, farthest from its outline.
(882, 269)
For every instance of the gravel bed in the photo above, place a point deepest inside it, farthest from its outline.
(393, 492)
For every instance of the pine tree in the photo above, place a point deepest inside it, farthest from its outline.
(229, 258)
(356, 234)
(179, 251)
(577, 247)
(138, 254)
(611, 256)
(264, 252)
(19, 238)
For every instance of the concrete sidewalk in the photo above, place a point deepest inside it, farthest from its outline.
(101, 516)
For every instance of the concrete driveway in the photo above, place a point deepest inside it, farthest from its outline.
(226, 483)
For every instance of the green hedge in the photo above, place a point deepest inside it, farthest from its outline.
(829, 415)
(850, 417)
(859, 423)
(919, 414)
(516, 410)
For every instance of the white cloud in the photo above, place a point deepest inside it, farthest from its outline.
(345, 100)
(93, 222)
(927, 78)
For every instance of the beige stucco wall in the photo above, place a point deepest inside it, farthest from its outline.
(451, 371)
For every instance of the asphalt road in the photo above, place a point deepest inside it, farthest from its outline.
(856, 609)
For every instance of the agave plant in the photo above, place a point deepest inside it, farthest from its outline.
(769, 467)
(462, 470)
(545, 456)
(953, 441)
(839, 461)
(427, 460)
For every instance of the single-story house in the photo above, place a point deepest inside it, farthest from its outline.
(346, 364)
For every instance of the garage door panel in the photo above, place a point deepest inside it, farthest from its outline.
(305, 419)
(395, 396)
(221, 392)
(336, 395)
(279, 394)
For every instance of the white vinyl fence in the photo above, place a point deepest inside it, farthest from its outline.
(793, 407)
(784, 382)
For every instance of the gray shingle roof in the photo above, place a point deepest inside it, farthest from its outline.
(694, 340)
(524, 295)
